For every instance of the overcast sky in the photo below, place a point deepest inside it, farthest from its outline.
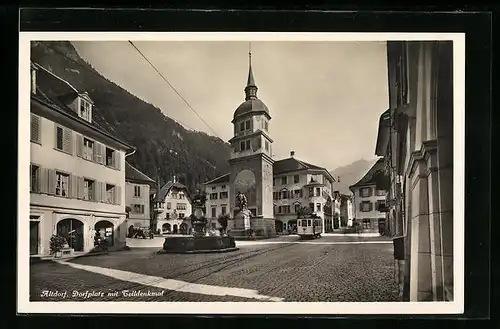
(324, 98)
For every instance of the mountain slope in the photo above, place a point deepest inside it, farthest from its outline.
(164, 147)
(350, 174)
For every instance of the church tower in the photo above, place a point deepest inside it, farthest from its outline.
(251, 162)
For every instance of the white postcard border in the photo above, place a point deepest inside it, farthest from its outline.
(305, 308)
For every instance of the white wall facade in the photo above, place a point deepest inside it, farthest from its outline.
(48, 205)
(219, 205)
(139, 204)
(368, 219)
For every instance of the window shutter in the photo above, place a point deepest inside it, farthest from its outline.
(104, 194)
(51, 181)
(79, 145)
(56, 127)
(370, 207)
(73, 186)
(31, 170)
(43, 184)
(117, 195)
(98, 153)
(97, 191)
(80, 188)
(35, 128)
(118, 163)
(68, 140)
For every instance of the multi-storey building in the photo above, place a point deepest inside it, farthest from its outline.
(337, 210)
(296, 184)
(416, 138)
(137, 196)
(77, 169)
(344, 209)
(350, 211)
(172, 208)
(299, 184)
(368, 199)
(217, 192)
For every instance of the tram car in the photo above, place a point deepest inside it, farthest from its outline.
(309, 228)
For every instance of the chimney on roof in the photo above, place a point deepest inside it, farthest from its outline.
(174, 179)
(292, 154)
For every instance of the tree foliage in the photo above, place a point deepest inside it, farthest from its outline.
(223, 219)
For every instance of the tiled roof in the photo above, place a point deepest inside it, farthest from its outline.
(279, 167)
(368, 178)
(167, 187)
(293, 164)
(56, 92)
(314, 183)
(221, 179)
(134, 174)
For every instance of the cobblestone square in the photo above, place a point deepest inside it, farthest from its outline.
(330, 269)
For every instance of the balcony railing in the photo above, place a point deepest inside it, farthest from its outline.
(158, 207)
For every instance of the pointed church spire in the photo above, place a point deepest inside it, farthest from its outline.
(251, 88)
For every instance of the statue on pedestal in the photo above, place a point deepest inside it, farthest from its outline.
(242, 219)
(198, 219)
(241, 201)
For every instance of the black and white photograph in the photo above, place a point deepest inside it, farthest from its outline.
(279, 172)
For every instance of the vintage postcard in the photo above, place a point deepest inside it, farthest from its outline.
(241, 173)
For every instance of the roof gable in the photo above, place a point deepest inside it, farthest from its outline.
(85, 95)
(219, 180)
(134, 174)
(369, 177)
(293, 164)
(164, 191)
(56, 94)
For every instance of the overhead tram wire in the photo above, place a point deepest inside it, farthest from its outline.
(103, 78)
(173, 88)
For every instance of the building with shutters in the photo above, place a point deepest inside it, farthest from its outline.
(77, 169)
(299, 184)
(217, 192)
(137, 196)
(368, 199)
(416, 136)
(172, 208)
(295, 184)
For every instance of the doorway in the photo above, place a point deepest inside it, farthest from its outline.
(381, 226)
(106, 231)
(34, 237)
(72, 230)
(278, 226)
(165, 228)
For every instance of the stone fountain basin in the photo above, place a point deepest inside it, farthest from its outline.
(204, 244)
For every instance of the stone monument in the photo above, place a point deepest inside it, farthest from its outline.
(242, 218)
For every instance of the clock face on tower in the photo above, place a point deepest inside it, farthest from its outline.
(245, 183)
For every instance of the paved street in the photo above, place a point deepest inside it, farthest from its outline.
(330, 269)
